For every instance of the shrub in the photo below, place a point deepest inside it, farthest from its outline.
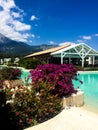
(59, 76)
(31, 63)
(30, 107)
(8, 119)
(10, 73)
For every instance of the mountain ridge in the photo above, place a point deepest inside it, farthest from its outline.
(10, 47)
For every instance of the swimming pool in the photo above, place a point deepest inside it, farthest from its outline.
(25, 75)
(90, 88)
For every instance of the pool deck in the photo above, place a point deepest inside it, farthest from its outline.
(88, 72)
(74, 118)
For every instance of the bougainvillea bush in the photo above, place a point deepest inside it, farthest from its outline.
(59, 76)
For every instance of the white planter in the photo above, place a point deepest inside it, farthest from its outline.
(74, 100)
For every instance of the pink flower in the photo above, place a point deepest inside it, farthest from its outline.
(20, 121)
(28, 109)
(11, 92)
(30, 120)
(17, 113)
(51, 110)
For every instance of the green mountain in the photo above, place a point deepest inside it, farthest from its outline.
(10, 47)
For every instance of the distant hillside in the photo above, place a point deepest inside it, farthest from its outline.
(46, 46)
(10, 47)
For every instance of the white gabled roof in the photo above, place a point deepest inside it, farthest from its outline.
(78, 49)
(64, 49)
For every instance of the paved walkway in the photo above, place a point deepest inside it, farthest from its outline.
(73, 118)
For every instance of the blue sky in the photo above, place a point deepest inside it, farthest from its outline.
(39, 22)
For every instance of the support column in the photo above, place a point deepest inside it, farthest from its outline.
(69, 59)
(93, 60)
(90, 60)
(82, 62)
(61, 58)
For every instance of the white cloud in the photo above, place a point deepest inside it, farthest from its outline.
(33, 35)
(30, 41)
(33, 17)
(7, 4)
(26, 35)
(86, 37)
(11, 24)
(96, 35)
(83, 39)
(51, 42)
(16, 15)
(80, 41)
(64, 43)
(18, 26)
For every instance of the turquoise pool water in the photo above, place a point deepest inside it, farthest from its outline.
(90, 88)
(25, 75)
